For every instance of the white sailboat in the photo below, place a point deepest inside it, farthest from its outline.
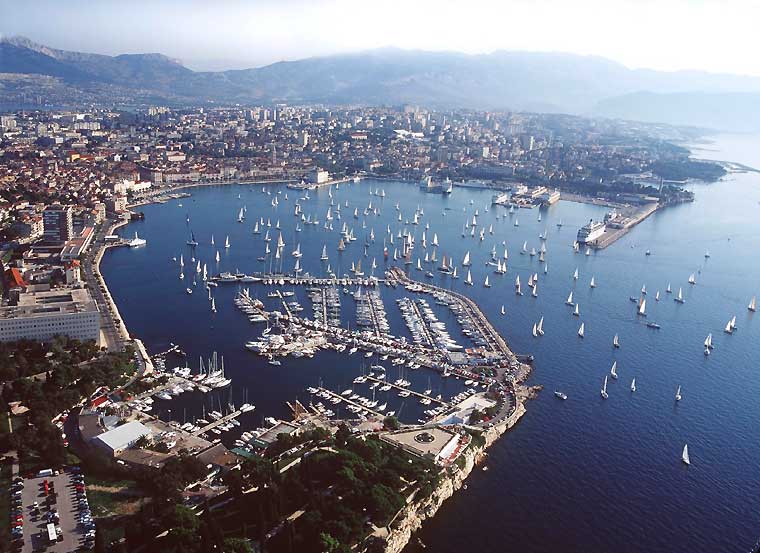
(468, 280)
(604, 389)
(503, 311)
(633, 385)
(643, 307)
(692, 279)
(569, 300)
(540, 327)
(616, 341)
(679, 297)
(575, 274)
(678, 394)
(486, 284)
(324, 257)
(227, 242)
(752, 304)
(466, 260)
(613, 370)
(577, 311)
(592, 284)
(685, 455)
(535, 330)
(582, 331)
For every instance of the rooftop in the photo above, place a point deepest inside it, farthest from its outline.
(52, 302)
(122, 436)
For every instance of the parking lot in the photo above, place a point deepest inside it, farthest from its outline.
(59, 500)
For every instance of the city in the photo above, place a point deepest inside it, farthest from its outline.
(275, 318)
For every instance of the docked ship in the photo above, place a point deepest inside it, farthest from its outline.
(500, 199)
(590, 232)
(550, 197)
(136, 242)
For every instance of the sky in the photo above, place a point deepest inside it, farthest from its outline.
(709, 35)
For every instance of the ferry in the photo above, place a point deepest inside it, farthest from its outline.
(590, 232)
(500, 199)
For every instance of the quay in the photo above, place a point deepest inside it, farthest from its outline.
(611, 236)
(272, 279)
(412, 392)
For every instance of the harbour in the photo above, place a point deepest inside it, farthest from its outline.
(554, 433)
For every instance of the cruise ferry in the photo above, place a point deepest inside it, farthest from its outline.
(590, 232)
(500, 199)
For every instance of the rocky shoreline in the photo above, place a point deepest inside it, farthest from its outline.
(416, 512)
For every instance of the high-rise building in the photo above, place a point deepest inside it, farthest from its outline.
(57, 224)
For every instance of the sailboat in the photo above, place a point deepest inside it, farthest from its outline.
(592, 284)
(218, 257)
(616, 341)
(241, 216)
(582, 331)
(679, 297)
(613, 370)
(643, 307)
(730, 326)
(685, 455)
(192, 241)
(212, 239)
(668, 289)
(503, 311)
(569, 300)
(466, 260)
(213, 305)
(577, 312)
(468, 280)
(604, 389)
(227, 242)
(324, 257)
(575, 274)
(540, 327)
(752, 304)
(692, 279)
(633, 385)
(486, 284)
(535, 330)
(708, 344)
(678, 394)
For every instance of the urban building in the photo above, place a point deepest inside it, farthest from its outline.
(122, 437)
(57, 224)
(42, 315)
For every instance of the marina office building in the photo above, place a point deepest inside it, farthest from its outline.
(43, 315)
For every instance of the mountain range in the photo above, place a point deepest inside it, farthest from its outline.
(503, 80)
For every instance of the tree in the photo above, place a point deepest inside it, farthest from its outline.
(391, 423)
(342, 435)
(237, 545)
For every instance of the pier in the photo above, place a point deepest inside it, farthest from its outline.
(210, 426)
(350, 402)
(411, 392)
(612, 235)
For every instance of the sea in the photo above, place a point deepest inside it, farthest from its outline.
(583, 475)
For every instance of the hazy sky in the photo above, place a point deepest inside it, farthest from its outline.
(712, 35)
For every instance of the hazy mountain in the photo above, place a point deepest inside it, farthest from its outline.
(501, 80)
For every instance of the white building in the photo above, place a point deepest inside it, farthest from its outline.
(122, 437)
(319, 176)
(42, 315)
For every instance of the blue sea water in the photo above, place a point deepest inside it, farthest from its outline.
(584, 475)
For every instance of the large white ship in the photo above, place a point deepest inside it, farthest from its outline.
(591, 231)
(500, 199)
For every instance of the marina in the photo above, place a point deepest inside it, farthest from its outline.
(498, 324)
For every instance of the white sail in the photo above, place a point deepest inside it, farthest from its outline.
(486, 284)
(643, 307)
(604, 389)
(466, 260)
(227, 242)
(582, 330)
(752, 304)
(468, 280)
(678, 394)
(592, 284)
(540, 327)
(616, 341)
(633, 385)
(613, 370)
(575, 274)
(535, 330)
(685, 455)
(569, 299)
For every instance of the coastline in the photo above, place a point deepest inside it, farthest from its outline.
(417, 512)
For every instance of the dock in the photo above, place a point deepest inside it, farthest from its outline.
(351, 402)
(412, 392)
(225, 419)
(612, 235)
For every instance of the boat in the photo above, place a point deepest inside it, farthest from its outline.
(560, 395)
(582, 330)
(685, 455)
(192, 241)
(679, 297)
(603, 391)
(616, 341)
(590, 232)
(692, 279)
(569, 300)
(678, 394)
(752, 304)
(592, 284)
(730, 326)
(136, 242)
(486, 284)
(613, 370)
(652, 324)
(642, 307)
(633, 385)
